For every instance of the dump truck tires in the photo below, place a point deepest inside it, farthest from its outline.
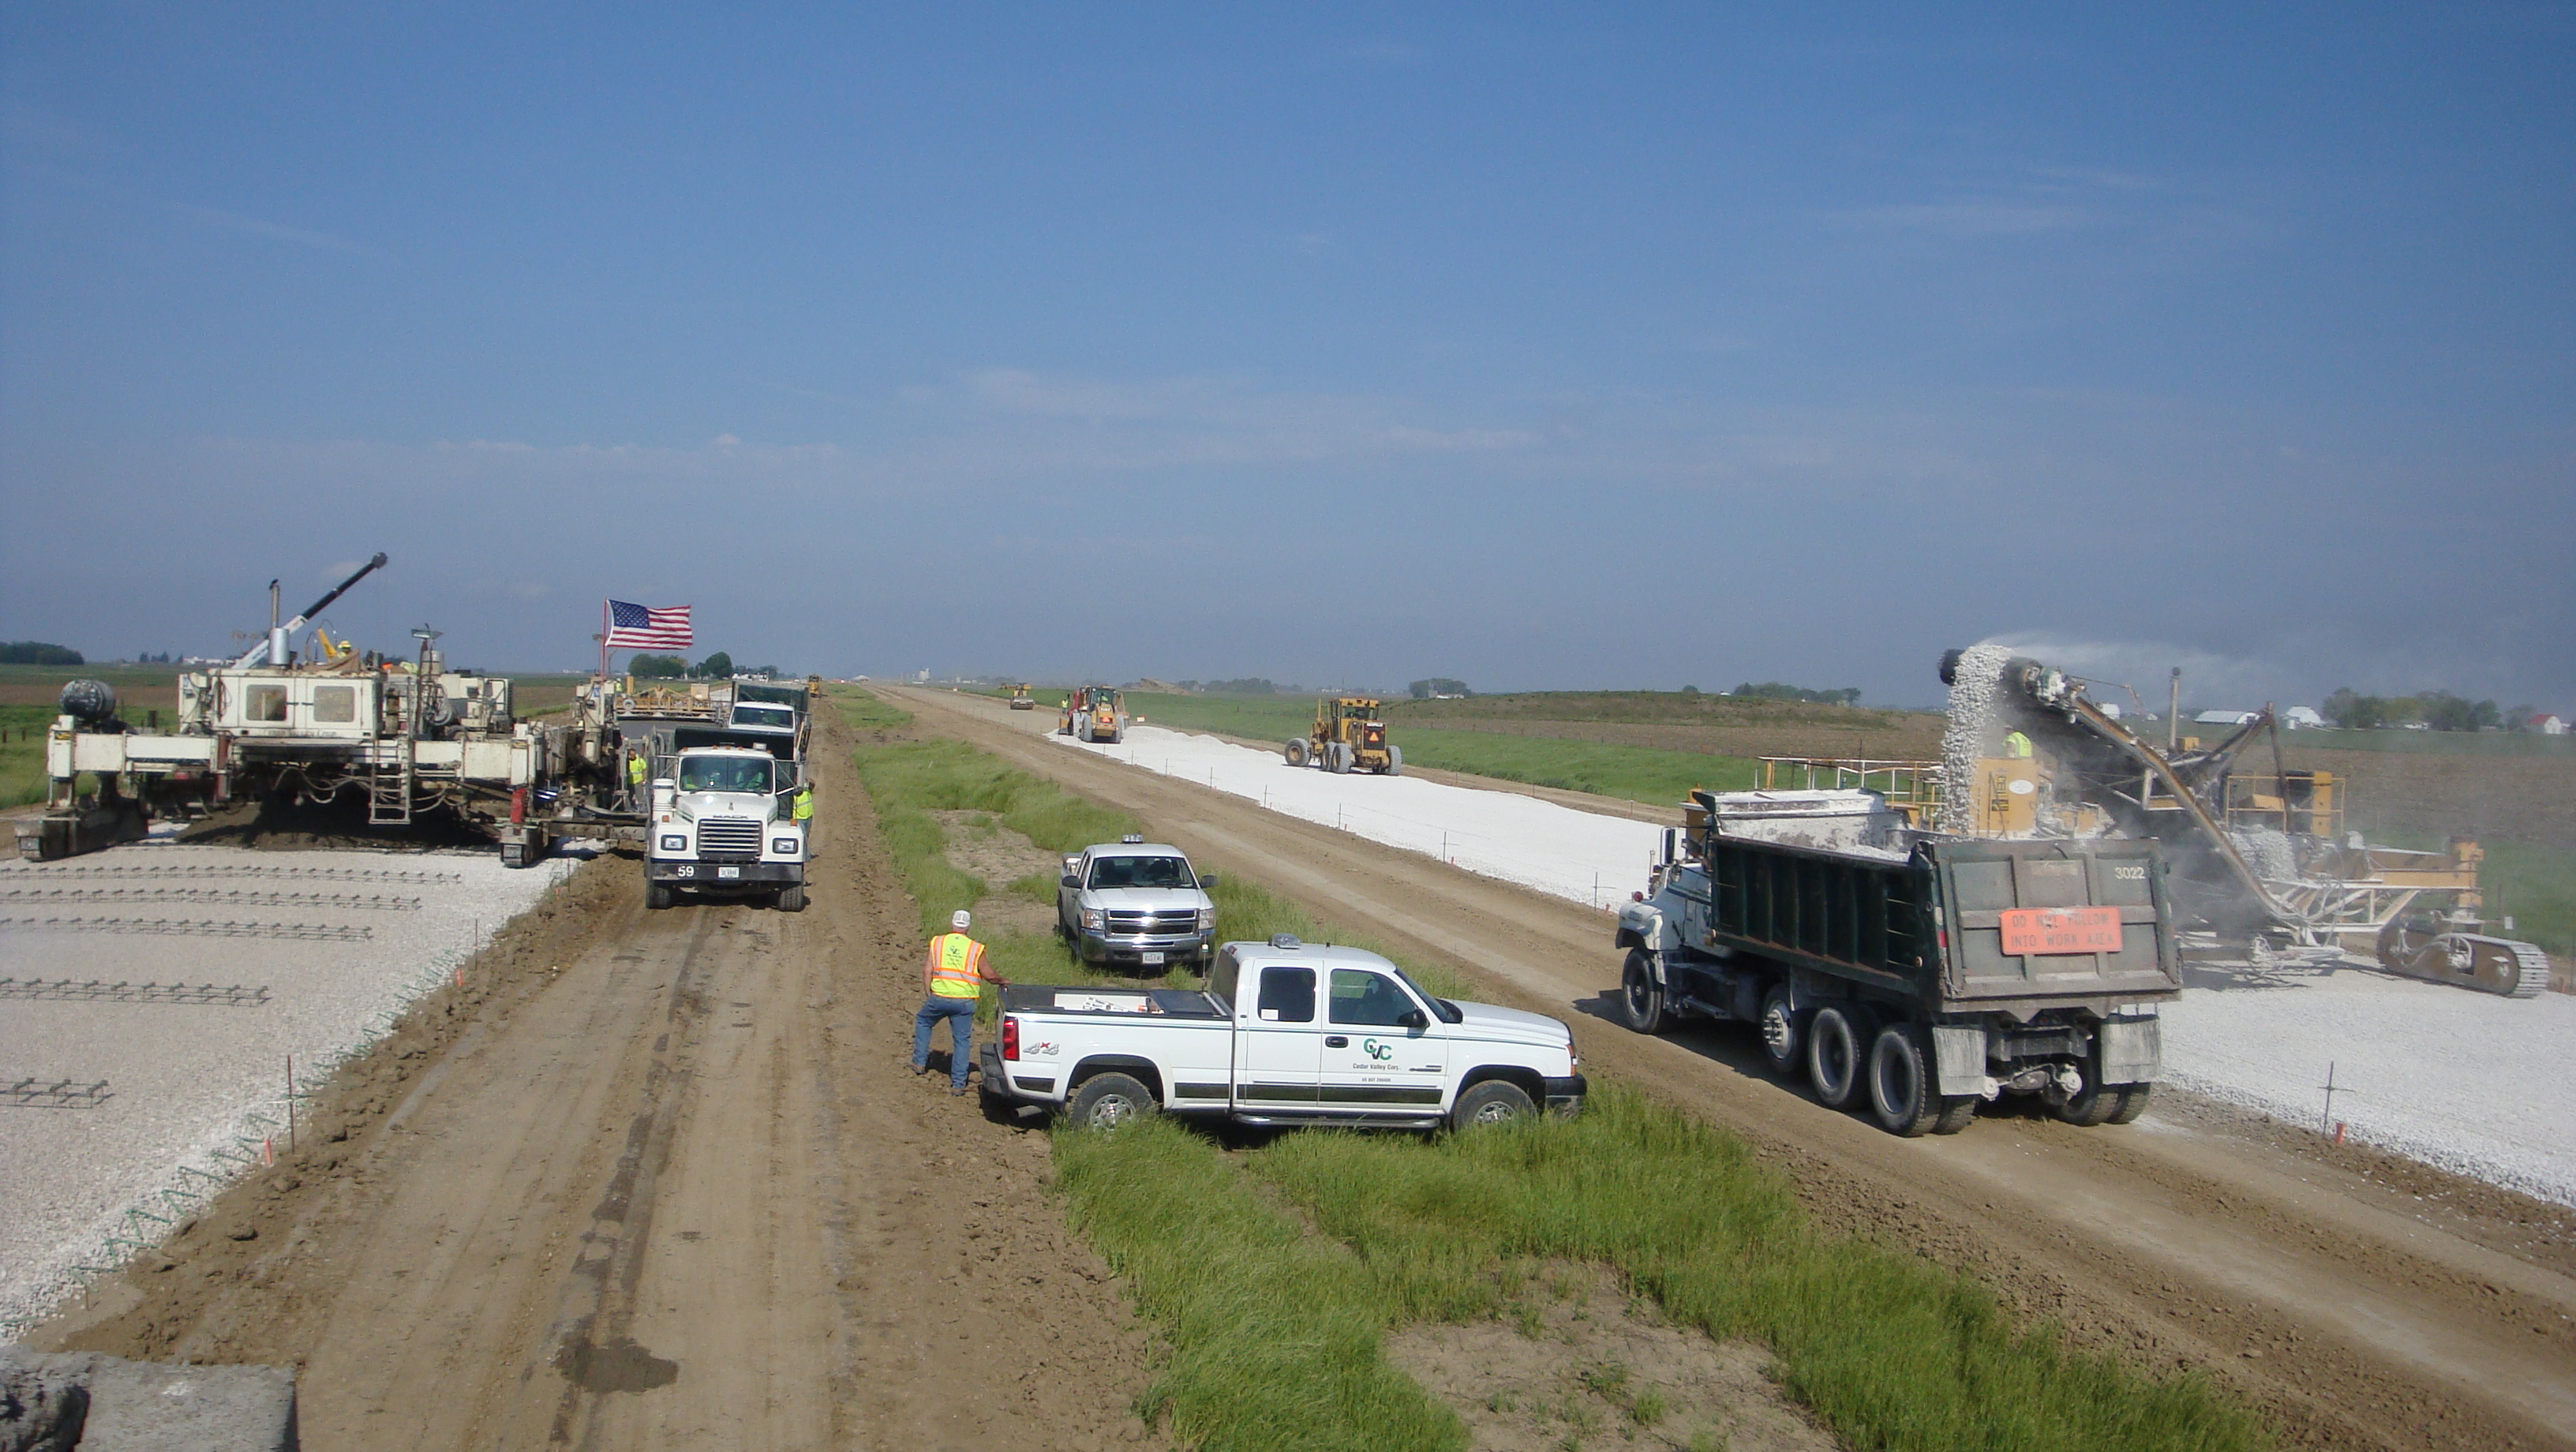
(1836, 1057)
(1296, 753)
(657, 896)
(1106, 1101)
(1779, 1025)
(1640, 994)
(1495, 1101)
(792, 899)
(1394, 760)
(1901, 1083)
(2133, 1102)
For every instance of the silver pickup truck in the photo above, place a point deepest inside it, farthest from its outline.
(1134, 903)
(1284, 1033)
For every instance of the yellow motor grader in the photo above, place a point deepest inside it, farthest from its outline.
(1347, 736)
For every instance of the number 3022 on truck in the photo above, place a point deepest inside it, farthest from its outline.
(1283, 1033)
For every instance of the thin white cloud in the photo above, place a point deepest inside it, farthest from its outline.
(224, 221)
(1975, 219)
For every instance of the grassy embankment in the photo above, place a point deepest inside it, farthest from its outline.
(1653, 775)
(22, 753)
(1278, 1330)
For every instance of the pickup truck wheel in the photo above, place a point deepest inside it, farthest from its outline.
(1957, 1113)
(657, 895)
(792, 899)
(1836, 1062)
(2133, 1102)
(1901, 1087)
(1495, 1101)
(1779, 1026)
(1296, 752)
(1395, 761)
(1640, 994)
(1106, 1101)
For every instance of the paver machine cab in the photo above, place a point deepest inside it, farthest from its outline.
(1093, 713)
(1347, 736)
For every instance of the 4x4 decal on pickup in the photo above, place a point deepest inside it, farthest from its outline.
(1376, 1050)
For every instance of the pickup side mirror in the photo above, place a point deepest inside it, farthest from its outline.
(1414, 1019)
(1207, 879)
(1068, 880)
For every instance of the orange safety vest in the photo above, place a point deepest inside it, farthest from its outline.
(956, 965)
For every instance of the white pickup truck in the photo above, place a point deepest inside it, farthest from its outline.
(1284, 1033)
(1135, 903)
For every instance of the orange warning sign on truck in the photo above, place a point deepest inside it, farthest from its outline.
(2030, 932)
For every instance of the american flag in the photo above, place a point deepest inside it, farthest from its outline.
(641, 627)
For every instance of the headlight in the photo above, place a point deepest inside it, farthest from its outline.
(1207, 920)
(675, 844)
(783, 846)
(1093, 920)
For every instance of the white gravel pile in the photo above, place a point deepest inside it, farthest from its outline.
(192, 1088)
(2470, 1082)
(1580, 856)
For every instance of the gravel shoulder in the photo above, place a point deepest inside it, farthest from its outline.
(660, 1179)
(2361, 1300)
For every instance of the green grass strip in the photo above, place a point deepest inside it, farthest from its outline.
(1277, 1335)
(1888, 1350)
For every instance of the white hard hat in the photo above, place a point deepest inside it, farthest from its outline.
(960, 919)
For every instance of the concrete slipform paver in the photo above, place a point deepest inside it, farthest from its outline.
(190, 1088)
(2358, 1313)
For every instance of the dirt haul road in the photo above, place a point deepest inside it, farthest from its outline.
(2360, 1300)
(683, 1192)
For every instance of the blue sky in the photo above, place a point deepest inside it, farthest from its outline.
(1540, 347)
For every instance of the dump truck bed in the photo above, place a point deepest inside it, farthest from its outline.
(1955, 926)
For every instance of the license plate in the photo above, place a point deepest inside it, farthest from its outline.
(2033, 932)
(728, 872)
(1149, 958)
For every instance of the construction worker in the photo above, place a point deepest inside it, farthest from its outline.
(952, 979)
(2016, 745)
(801, 805)
(635, 770)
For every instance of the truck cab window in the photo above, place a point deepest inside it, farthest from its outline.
(1141, 872)
(1368, 1000)
(1288, 995)
(264, 703)
(724, 774)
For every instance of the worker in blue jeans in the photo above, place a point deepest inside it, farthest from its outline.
(952, 979)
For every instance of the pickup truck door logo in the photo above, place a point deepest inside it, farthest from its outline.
(1378, 1051)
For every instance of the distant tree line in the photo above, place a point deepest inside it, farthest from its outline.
(2433, 710)
(1438, 686)
(152, 657)
(718, 666)
(1247, 686)
(37, 652)
(1778, 691)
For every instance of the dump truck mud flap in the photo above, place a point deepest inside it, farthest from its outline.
(2132, 1050)
(1959, 1057)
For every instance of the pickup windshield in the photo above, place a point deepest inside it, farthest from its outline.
(1141, 872)
(724, 774)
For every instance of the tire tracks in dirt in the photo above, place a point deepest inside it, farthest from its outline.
(2354, 1313)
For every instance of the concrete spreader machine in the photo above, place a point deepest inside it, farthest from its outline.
(722, 762)
(2260, 860)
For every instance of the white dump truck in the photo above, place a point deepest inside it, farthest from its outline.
(723, 824)
(1284, 1033)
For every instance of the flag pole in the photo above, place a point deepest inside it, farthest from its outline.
(603, 640)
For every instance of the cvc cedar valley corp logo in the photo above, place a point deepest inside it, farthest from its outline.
(1378, 1051)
